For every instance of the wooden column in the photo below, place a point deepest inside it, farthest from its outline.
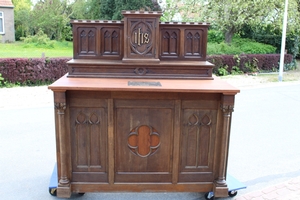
(220, 185)
(111, 152)
(63, 189)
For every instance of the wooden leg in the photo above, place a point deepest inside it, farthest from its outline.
(220, 185)
(63, 189)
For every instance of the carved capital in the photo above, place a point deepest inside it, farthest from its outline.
(60, 106)
(227, 108)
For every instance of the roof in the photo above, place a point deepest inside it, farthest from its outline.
(6, 3)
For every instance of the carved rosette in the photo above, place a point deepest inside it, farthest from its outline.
(140, 71)
(143, 141)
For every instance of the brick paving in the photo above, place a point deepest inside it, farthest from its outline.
(289, 190)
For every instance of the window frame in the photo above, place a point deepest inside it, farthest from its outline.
(2, 24)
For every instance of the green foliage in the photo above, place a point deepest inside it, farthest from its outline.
(222, 71)
(249, 46)
(290, 66)
(51, 16)
(120, 5)
(1, 80)
(67, 33)
(222, 48)
(107, 9)
(251, 66)
(38, 40)
(93, 9)
(215, 36)
(22, 9)
(238, 46)
(229, 16)
(236, 71)
(170, 8)
(272, 36)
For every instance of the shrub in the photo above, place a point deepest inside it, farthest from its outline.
(215, 36)
(239, 46)
(249, 46)
(39, 40)
(31, 71)
(249, 63)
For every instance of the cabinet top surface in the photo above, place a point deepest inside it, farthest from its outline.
(143, 85)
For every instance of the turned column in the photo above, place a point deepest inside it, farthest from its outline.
(63, 189)
(227, 105)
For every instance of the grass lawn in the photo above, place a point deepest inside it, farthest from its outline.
(21, 50)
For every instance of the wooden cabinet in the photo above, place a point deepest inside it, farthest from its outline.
(115, 137)
(139, 110)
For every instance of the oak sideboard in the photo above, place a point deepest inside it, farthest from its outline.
(138, 118)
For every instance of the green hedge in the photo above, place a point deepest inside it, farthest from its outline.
(249, 63)
(239, 46)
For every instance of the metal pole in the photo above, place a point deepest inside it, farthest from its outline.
(283, 41)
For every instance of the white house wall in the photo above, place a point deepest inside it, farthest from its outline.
(9, 34)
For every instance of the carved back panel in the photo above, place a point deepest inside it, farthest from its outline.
(138, 38)
(121, 48)
(98, 39)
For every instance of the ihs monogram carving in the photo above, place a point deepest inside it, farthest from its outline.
(141, 35)
(143, 141)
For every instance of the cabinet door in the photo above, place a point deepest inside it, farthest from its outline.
(88, 128)
(143, 140)
(199, 120)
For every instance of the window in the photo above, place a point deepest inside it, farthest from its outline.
(1, 23)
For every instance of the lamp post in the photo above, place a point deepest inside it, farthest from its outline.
(283, 41)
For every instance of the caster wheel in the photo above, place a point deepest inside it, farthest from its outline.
(232, 193)
(209, 196)
(52, 191)
(81, 193)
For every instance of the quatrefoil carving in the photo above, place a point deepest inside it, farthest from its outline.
(143, 141)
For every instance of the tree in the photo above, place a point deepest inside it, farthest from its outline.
(111, 9)
(22, 9)
(230, 15)
(51, 16)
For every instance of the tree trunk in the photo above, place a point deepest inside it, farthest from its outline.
(229, 34)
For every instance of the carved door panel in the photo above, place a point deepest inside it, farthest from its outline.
(193, 47)
(88, 126)
(143, 140)
(111, 42)
(197, 141)
(170, 43)
(87, 37)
